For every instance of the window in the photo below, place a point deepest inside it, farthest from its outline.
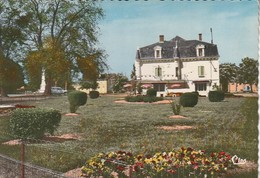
(158, 71)
(176, 71)
(159, 87)
(158, 55)
(200, 86)
(200, 49)
(158, 52)
(201, 71)
(200, 52)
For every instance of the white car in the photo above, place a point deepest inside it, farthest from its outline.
(58, 90)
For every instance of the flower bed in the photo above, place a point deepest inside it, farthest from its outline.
(23, 106)
(185, 162)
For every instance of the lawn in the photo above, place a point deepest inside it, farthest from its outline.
(104, 126)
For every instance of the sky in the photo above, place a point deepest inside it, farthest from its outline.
(128, 25)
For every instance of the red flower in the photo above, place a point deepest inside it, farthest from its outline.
(120, 168)
(222, 153)
(189, 149)
(171, 171)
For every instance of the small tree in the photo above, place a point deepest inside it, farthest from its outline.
(76, 99)
(176, 108)
(120, 80)
(248, 72)
(227, 73)
(139, 88)
(151, 92)
(89, 85)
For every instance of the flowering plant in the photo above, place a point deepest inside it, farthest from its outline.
(185, 162)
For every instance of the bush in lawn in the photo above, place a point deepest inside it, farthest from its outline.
(93, 94)
(133, 99)
(34, 122)
(216, 96)
(176, 108)
(151, 99)
(139, 98)
(195, 92)
(151, 92)
(188, 99)
(77, 99)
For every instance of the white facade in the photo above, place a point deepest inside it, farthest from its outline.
(199, 71)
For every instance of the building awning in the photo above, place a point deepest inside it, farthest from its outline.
(201, 81)
(162, 81)
(177, 85)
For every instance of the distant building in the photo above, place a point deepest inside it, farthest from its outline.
(105, 84)
(178, 66)
(236, 88)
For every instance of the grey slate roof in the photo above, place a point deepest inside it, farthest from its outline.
(186, 49)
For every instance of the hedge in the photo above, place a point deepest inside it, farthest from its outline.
(77, 99)
(34, 122)
(188, 99)
(216, 96)
(93, 94)
(141, 98)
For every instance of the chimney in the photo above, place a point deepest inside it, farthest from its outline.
(200, 36)
(161, 38)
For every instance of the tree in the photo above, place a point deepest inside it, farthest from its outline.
(11, 76)
(68, 30)
(11, 43)
(133, 79)
(248, 72)
(228, 73)
(120, 80)
(88, 85)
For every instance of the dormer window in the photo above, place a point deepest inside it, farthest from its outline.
(200, 49)
(157, 52)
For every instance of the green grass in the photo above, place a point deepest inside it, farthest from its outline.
(229, 126)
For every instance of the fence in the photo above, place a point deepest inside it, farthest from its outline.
(12, 168)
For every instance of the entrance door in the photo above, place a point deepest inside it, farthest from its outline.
(201, 88)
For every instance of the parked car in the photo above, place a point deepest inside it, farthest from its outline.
(58, 90)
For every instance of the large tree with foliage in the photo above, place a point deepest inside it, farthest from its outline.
(11, 42)
(62, 35)
(120, 80)
(227, 74)
(248, 72)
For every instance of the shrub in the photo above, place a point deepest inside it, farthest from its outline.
(76, 99)
(34, 122)
(151, 99)
(151, 92)
(196, 93)
(176, 108)
(93, 94)
(141, 98)
(134, 98)
(216, 96)
(188, 99)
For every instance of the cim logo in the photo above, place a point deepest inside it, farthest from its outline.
(236, 160)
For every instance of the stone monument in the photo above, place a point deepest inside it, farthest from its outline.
(43, 83)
